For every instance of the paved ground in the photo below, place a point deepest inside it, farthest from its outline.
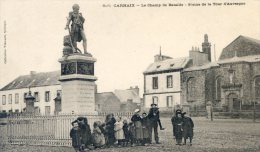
(218, 136)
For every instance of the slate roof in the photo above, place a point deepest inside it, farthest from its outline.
(167, 65)
(105, 96)
(242, 49)
(249, 59)
(202, 67)
(241, 46)
(125, 95)
(34, 80)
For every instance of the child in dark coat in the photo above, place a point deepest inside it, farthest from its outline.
(177, 122)
(84, 133)
(110, 133)
(131, 129)
(187, 126)
(74, 135)
(126, 133)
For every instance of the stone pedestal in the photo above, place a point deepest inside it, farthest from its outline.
(77, 84)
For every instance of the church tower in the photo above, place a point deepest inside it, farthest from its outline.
(206, 47)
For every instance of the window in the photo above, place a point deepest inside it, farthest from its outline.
(24, 96)
(169, 101)
(4, 100)
(10, 98)
(169, 81)
(16, 111)
(47, 96)
(257, 89)
(191, 89)
(10, 111)
(155, 100)
(98, 106)
(4, 111)
(218, 88)
(47, 110)
(37, 110)
(36, 96)
(155, 82)
(16, 98)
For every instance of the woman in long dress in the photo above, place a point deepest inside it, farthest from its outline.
(137, 120)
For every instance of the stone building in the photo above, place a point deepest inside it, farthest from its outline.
(129, 98)
(162, 82)
(231, 83)
(107, 102)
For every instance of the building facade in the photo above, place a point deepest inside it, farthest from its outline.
(162, 82)
(44, 87)
(229, 84)
(107, 102)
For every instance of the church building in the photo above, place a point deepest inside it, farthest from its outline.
(232, 83)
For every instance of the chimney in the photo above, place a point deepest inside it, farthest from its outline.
(137, 90)
(160, 57)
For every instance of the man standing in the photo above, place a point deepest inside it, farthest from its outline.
(154, 118)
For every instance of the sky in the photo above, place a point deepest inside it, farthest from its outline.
(123, 40)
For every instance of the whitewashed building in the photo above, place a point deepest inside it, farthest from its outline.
(44, 87)
(162, 82)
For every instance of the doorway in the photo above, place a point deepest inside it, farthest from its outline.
(233, 102)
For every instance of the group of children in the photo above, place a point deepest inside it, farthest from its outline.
(182, 127)
(136, 132)
(113, 132)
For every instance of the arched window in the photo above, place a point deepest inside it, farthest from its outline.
(218, 83)
(257, 89)
(191, 89)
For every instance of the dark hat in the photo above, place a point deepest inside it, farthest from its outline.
(178, 111)
(153, 104)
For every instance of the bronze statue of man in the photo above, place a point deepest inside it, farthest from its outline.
(77, 30)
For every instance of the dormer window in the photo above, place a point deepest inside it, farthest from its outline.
(158, 66)
(172, 65)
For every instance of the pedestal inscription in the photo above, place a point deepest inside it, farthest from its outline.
(77, 84)
(79, 96)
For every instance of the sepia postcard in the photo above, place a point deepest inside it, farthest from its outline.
(130, 75)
